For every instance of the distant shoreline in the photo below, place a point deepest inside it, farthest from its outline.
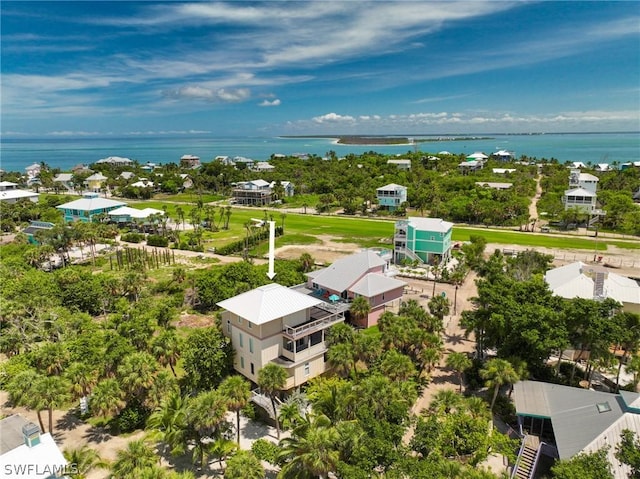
(388, 140)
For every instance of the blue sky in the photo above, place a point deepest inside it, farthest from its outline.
(72, 69)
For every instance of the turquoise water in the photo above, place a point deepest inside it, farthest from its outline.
(16, 154)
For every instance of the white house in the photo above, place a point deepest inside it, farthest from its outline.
(115, 161)
(10, 193)
(276, 324)
(401, 164)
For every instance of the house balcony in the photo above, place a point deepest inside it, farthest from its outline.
(320, 318)
(290, 358)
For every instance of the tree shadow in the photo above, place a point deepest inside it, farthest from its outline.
(69, 421)
(97, 435)
(450, 377)
(253, 430)
(455, 339)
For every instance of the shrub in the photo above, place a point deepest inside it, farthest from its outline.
(132, 418)
(265, 451)
(157, 240)
(132, 237)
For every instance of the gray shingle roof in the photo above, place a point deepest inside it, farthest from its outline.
(374, 283)
(346, 271)
(573, 412)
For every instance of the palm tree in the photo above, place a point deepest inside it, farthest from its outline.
(163, 385)
(360, 308)
(307, 262)
(221, 449)
(459, 362)
(51, 392)
(227, 215)
(271, 379)
(429, 357)
(180, 215)
(496, 373)
(170, 421)
(397, 366)
(444, 401)
(82, 377)
(439, 307)
(244, 465)
(21, 392)
(342, 358)
(84, 459)
(137, 455)
(107, 398)
(238, 392)
(205, 415)
(166, 349)
(137, 373)
(311, 450)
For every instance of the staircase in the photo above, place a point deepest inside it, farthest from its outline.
(410, 254)
(598, 285)
(527, 458)
(593, 220)
(264, 402)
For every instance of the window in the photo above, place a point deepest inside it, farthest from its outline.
(241, 362)
(249, 324)
(239, 320)
(250, 345)
(241, 340)
(253, 369)
(228, 326)
(307, 369)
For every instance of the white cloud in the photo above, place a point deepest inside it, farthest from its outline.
(195, 92)
(275, 102)
(334, 118)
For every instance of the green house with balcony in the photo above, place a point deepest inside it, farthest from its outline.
(87, 207)
(425, 240)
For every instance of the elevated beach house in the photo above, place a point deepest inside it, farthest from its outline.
(10, 193)
(359, 275)
(425, 240)
(95, 181)
(255, 192)
(87, 207)
(562, 421)
(391, 196)
(273, 323)
(582, 195)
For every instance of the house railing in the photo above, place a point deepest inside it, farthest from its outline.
(303, 330)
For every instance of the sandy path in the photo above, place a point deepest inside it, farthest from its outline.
(533, 206)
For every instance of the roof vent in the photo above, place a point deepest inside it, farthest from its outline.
(603, 407)
(31, 434)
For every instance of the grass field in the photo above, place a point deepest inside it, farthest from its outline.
(367, 232)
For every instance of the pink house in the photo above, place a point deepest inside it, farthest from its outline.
(361, 274)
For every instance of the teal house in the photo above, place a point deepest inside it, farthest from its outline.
(391, 196)
(426, 240)
(87, 207)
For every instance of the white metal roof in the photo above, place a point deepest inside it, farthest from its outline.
(16, 194)
(392, 187)
(96, 177)
(574, 281)
(579, 192)
(374, 283)
(269, 302)
(399, 162)
(134, 213)
(430, 224)
(189, 157)
(90, 204)
(63, 177)
(7, 183)
(494, 185)
(478, 155)
(501, 171)
(114, 160)
(344, 272)
(588, 177)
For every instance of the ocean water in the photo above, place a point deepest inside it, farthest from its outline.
(16, 154)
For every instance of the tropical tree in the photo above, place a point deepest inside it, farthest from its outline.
(205, 416)
(306, 262)
(584, 466)
(84, 459)
(439, 306)
(137, 373)
(459, 362)
(237, 390)
(628, 451)
(107, 398)
(244, 465)
(21, 392)
(51, 392)
(166, 348)
(130, 460)
(360, 308)
(311, 451)
(341, 357)
(82, 378)
(169, 421)
(272, 379)
(397, 366)
(496, 373)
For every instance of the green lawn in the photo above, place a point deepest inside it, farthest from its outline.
(304, 229)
